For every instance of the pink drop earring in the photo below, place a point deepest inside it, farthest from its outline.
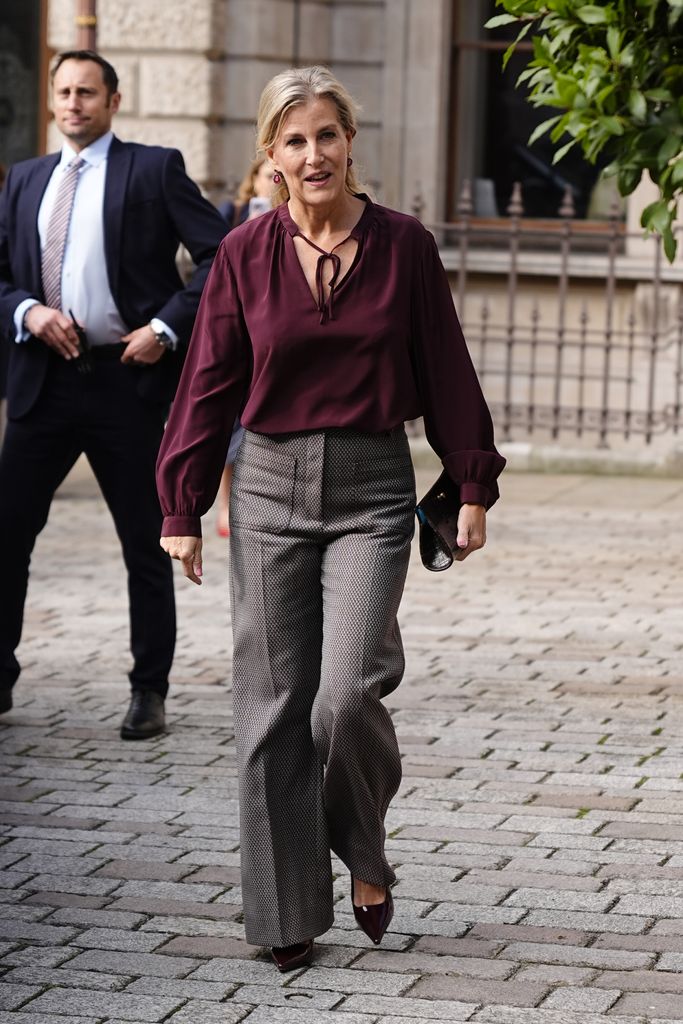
(277, 178)
(349, 161)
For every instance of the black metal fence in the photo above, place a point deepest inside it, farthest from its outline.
(576, 327)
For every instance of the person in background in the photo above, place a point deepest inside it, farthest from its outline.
(328, 321)
(97, 320)
(253, 198)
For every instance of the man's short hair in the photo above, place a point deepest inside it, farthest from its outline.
(111, 79)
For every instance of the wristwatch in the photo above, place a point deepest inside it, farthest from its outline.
(163, 338)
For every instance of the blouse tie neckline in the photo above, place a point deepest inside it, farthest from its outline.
(326, 309)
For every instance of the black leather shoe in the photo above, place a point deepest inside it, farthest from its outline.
(5, 699)
(145, 716)
(288, 958)
(375, 918)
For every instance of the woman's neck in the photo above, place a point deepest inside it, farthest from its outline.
(322, 222)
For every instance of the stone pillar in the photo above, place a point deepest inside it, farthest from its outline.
(415, 104)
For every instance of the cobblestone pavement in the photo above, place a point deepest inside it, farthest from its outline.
(538, 834)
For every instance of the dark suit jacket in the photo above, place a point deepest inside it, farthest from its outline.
(150, 205)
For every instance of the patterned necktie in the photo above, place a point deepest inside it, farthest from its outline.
(58, 226)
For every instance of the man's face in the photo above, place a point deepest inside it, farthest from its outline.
(83, 108)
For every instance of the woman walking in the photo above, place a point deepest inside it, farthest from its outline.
(325, 324)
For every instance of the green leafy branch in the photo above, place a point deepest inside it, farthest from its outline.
(614, 72)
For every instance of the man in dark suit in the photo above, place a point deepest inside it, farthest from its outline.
(94, 231)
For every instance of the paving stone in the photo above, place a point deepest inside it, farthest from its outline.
(671, 962)
(589, 1000)
(641, 981)
(175, 908)
(476, 990)
(111, 1004)
(40, 933)
(513, 1015)
(182, 989)
(561, 900)
(306, 999)
(287, 1015)
(67, 899)
(197, 1011)
(622, 924)
(118, 939)
(650, 1005)
(66, 978)
(168, 891)
(149, 965)
(96, 918)
(437, 1009)
(529, 952)
(466, 947)
(351, 981)
(18, 1017)
(189, 926)
(142, 869)
(424, 963)
(250, 972)
(70, 884)
(202, 946)
(37, 956)
(553, 974)
(13, 995)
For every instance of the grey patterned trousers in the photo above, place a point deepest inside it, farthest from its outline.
(321, 525)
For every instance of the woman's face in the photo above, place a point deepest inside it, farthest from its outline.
(311, 153)
(263, 181)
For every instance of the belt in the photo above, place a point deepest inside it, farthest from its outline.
(105, 352)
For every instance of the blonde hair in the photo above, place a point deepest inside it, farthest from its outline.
(246, 190)
(292, 88)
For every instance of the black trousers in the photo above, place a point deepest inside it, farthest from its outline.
(102, 415)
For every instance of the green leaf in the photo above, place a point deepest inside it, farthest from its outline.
(669, 149)
(612, 125)
(542, 128)
(500, 19)
(677, 174)
(637, 104)
(670, 244)
(613, 41)
(628, 179)
(511, 48)
(656, 216)
(592, 15)
(563, 150)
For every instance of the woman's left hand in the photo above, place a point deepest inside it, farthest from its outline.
(471, 530)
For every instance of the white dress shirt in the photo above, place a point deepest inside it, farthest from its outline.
(85, 283)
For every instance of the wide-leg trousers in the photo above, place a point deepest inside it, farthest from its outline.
(321, 524)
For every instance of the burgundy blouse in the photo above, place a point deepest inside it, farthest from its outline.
(386, 347)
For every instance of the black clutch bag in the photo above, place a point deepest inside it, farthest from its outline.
(437, 515)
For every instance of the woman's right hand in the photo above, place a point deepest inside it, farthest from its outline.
(188, 551)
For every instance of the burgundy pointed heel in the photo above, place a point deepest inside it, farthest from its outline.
(288, 958)
(374, 919)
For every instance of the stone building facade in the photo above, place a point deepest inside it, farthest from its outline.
(191, 75)
(435, 110)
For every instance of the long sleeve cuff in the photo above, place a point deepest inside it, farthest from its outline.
(475, 472)
(161, 327)
(21, 334)
(181, 526)
(475, 494)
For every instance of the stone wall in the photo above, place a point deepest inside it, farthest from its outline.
(192, 71)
